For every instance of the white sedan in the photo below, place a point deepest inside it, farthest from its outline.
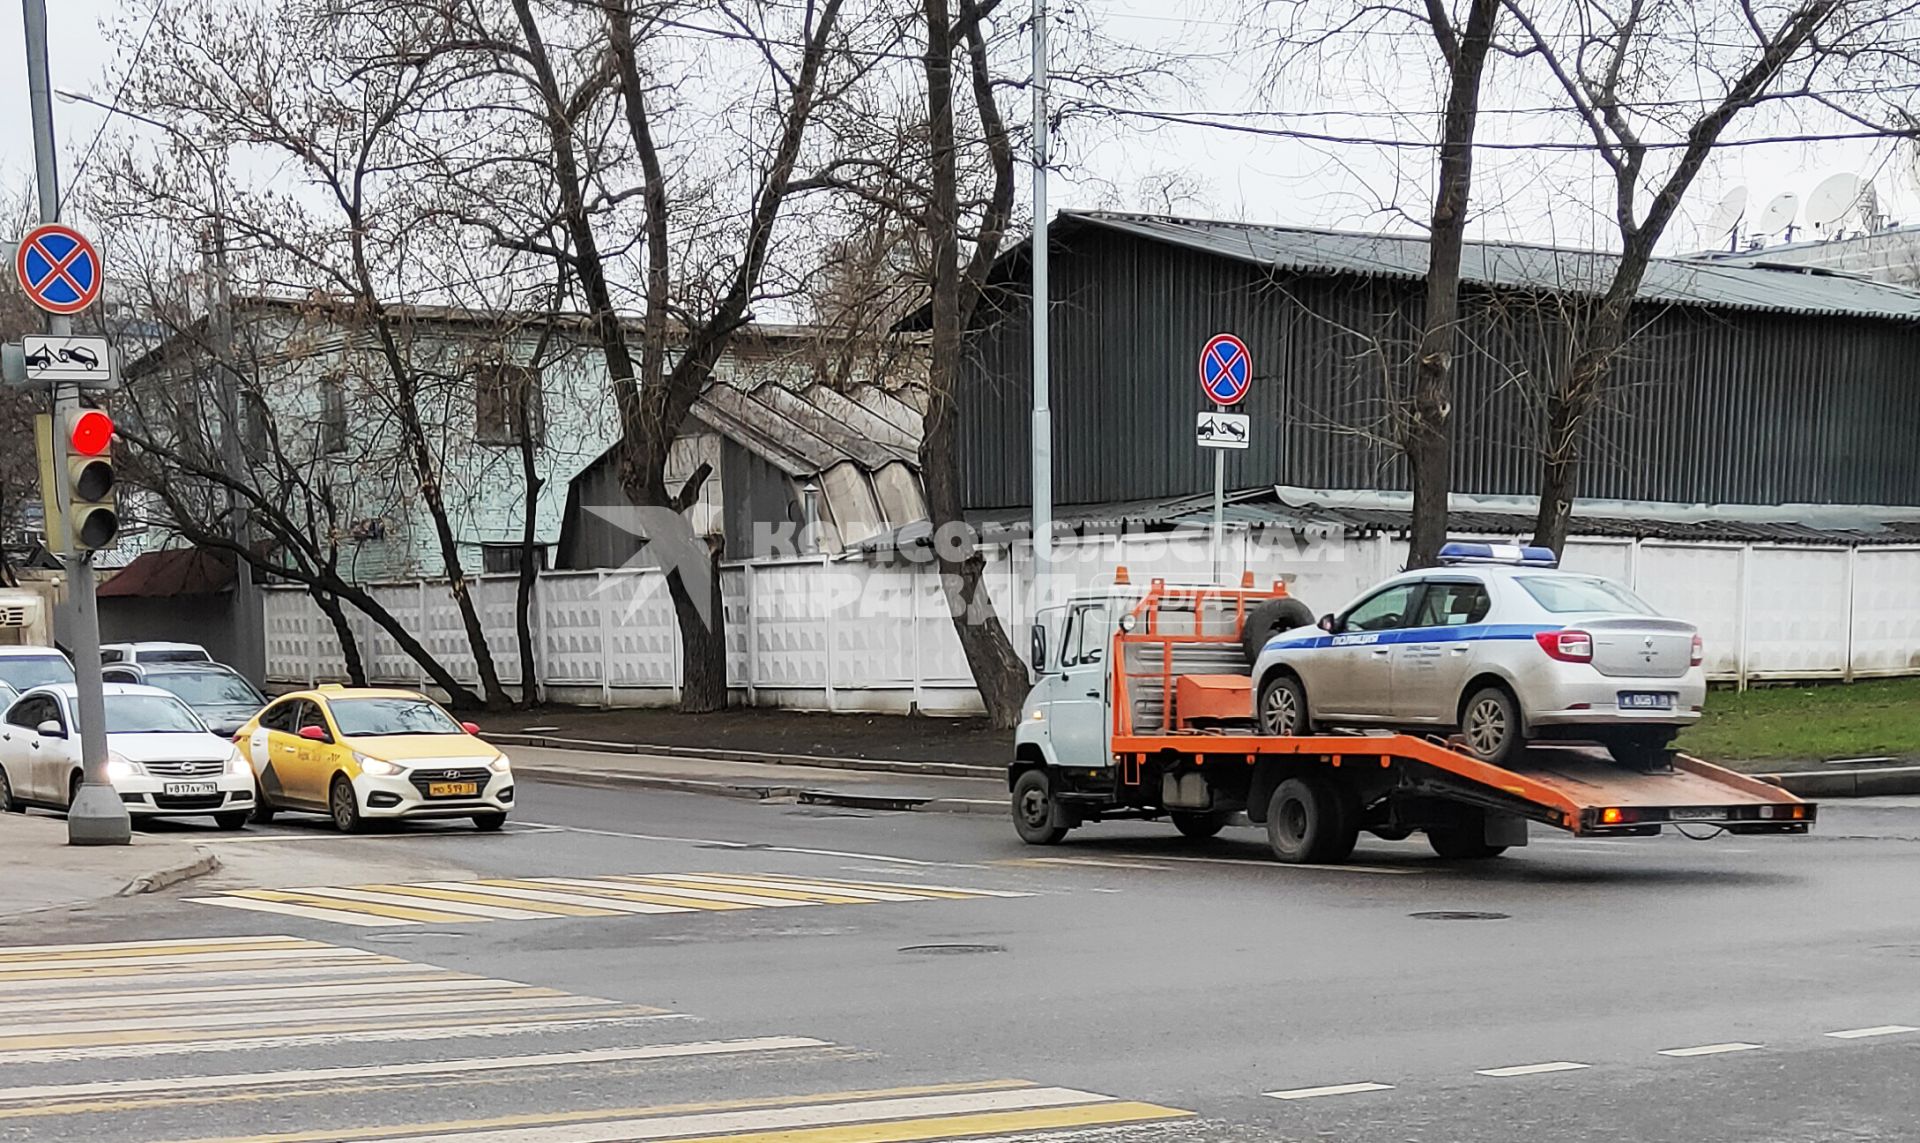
(161, 759)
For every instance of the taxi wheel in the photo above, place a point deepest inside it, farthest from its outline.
(1490, 723)
(8, 804)
(487, 823)
(1283, 708)
(345, 806)
(263, 810)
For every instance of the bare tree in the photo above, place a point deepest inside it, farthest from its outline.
(1625, 68)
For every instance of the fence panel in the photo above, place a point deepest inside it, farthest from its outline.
(1797, 613)
(572, 652)
(1886, 611)
(1703, 584)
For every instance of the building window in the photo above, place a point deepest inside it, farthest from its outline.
(333, 415)
(500, 558)
(508, 409)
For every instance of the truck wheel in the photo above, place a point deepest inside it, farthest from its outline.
(1269, 619)
(1346, 832)
(1282, 709)
(1199, 826)
(1033, 809)
(1303, 822)
(1462, 843)
(1490, 723)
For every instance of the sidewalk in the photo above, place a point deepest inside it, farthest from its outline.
(762, 733)
(44, 872)
(815, 784)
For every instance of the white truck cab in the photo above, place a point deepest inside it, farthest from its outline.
(1066, 720)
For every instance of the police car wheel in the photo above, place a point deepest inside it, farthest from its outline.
(1283, 708)
(1490, 723)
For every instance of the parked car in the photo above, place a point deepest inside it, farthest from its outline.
(220, 695)
(162, 761)
(154, 652)
(357, 754)
(1499, 645)
(23, 668)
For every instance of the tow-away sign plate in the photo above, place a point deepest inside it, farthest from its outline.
(1223, 430)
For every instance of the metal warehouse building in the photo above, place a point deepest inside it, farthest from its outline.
(1745, 383)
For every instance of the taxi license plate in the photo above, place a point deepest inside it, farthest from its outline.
(1646, 700)
(452, 789)
(1694, 814)
(191, 789)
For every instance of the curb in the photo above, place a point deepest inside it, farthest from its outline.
(160, 879)
(1862, 783)
(606, 779)
(824, 762)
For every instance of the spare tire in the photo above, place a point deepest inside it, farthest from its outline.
(1269, 618)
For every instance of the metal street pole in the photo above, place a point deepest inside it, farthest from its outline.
(1042, 521)
(96, 816)
(1219, 500)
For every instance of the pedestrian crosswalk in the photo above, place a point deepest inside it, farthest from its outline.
(345, 1044)
(123, 1000)
(547, 898)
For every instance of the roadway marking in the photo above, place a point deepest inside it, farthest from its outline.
(1534, 1069)
(486, 900)
(1712, 1049)
(901, 1115)
(1385, 870)
(1876, 1030)
(717, 843)
(1331, 1089)
(170, 1085)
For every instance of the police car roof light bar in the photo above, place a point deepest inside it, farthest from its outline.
(1518, 555)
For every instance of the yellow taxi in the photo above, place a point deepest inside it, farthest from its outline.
(359, 754)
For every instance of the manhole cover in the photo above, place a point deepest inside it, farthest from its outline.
(953, 950)
(1457, 915)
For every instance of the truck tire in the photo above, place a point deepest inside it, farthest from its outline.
(1346, 832)
(1462, 843)
(1304, 823)
(1490, 724)
(1199, 826)
(1268, 619)
(1282, 708)
(1033, 809)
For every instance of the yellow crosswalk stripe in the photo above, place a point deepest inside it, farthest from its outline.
(535, 898)
(152, 948)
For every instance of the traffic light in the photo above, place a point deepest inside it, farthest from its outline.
(92, 513)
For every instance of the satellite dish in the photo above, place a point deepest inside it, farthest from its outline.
(1779, 213)
(1834, 199)
(1867, 209)
(1726, 216)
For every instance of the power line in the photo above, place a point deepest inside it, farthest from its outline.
(118, 94)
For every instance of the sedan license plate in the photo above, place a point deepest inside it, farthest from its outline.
(191, 789)
(452, 789)
(1695, 814)
(1646, 700)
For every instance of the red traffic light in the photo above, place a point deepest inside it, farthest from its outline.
(89, 432)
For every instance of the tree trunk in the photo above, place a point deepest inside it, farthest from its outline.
(1428, 442)
(343, 631)
(1573, 403)
(529, 551)
(703, 642)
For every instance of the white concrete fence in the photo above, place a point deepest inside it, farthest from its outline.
(852, 636)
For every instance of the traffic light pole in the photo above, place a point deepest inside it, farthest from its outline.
(97, 816)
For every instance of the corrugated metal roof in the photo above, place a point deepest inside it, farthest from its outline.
(805, 431)
(1681, 281)
(171, 572)
(1366, 513)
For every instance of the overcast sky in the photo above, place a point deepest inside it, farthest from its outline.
(1190, 170)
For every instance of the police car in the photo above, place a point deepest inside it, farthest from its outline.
(1498, 644)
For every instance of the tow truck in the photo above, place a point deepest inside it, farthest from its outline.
(1143, 709)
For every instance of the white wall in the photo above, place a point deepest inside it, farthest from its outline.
(852, 636)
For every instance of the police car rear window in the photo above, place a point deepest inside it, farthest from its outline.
(1562, 595)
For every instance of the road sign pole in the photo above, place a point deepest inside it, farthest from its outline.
(1219, 504)
(97, 816)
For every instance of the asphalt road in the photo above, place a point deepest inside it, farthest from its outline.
(626, 965)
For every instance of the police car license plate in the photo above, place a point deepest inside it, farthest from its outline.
(1646, 700)
(452, 789)
(190, 789)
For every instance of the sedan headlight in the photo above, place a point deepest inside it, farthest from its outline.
(499, 765)
(236, 761)
(377, 767)
(118, 768)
